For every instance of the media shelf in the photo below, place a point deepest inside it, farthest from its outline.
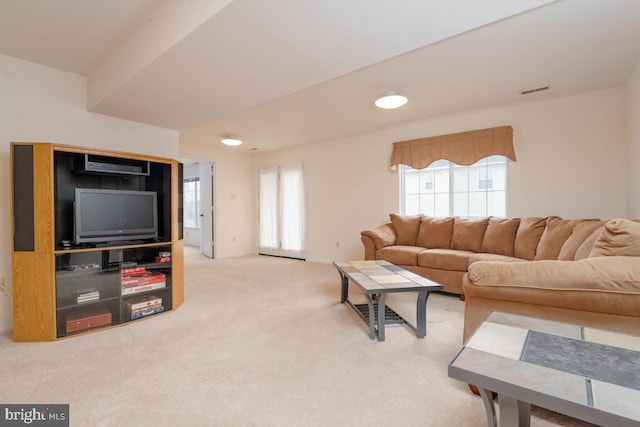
(106, 280)
(64, 288)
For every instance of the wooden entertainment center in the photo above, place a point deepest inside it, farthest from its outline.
(123, 261)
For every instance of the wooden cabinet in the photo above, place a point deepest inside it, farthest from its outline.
(64, 283)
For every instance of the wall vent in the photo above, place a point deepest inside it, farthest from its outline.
(539, 89)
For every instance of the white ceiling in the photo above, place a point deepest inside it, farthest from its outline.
(280, 73)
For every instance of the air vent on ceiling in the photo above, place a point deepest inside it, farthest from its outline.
(538, 89)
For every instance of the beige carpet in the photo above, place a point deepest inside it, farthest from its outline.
(259, 341)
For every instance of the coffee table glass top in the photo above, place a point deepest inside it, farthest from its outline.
(378, 276)
(589, 367)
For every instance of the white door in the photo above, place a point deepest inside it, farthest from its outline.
(282, 211)
(207, 226)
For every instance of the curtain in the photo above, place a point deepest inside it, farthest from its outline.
(269, 207)
(292, 207)
(464, 148)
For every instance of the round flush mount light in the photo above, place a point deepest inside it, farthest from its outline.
(390, 101)
(231, 140)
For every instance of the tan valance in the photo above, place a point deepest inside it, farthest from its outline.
(464, 148)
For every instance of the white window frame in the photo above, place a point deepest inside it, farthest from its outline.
(489, 176)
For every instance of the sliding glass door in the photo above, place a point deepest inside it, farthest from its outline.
(282, 211)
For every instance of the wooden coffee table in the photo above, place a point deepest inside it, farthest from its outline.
(586, 373)
(376, 279)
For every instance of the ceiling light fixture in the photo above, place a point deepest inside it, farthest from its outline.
(231, 140)
(391, 100)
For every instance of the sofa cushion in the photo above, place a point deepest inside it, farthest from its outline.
(500, 236)
(555, 234)
(599, 284)
(619, 237)
(492, 257)
(400, 255)
(406, 228)
(435, 232)
(580, 233)
(468, 234)
(382, 236)
(585, 248)
(444, 259)
(610, 273)
(529, 232)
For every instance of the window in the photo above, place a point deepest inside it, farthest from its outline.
(447, 189)
(191, 201)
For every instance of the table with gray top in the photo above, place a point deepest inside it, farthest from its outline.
(586, 373)
(376, 279)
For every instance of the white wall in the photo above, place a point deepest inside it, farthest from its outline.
(571, 162)
(235, 195)
(633, 132)
(38, 103)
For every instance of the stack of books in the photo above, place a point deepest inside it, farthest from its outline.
(163, 257)
(87, 295)
(142, 306)
(139, 279)
(87, 318)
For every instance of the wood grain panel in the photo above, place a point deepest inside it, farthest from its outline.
(43, 197)
(177, 273)
(34, 298)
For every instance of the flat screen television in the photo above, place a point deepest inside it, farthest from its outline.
(114, 215)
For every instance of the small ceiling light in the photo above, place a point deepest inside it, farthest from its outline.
(231, 140)
(391, 100)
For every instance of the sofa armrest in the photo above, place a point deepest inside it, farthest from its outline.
(378, 238)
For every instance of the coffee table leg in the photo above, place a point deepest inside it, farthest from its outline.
(345, 287)
(487, 399)
(421, 314)
(514, 412)
(381, 315)
(372, 315)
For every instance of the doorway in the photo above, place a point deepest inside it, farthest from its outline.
(199, 206)
(282, 211)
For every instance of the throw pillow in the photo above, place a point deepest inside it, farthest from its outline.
(406, 228)
(468, 234)
(585, 248)
(555, 234)
(435, 233)
(500, 236)
(619, 237)
(581, 232)
(528, 236)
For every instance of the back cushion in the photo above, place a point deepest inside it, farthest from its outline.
(619, 237)
(435, 233)
(581, 232)
(554, 236)
(468, 234)
(500, 236)
(528, 236)
(584, 250)
(406, 228)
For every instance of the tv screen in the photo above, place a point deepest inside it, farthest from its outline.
(114, 215)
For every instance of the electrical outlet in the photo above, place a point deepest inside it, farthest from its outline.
(337, 243)
(233, 239)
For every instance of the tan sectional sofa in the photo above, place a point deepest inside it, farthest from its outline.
(582, 271)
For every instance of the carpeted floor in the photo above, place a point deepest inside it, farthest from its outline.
(259, 341)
